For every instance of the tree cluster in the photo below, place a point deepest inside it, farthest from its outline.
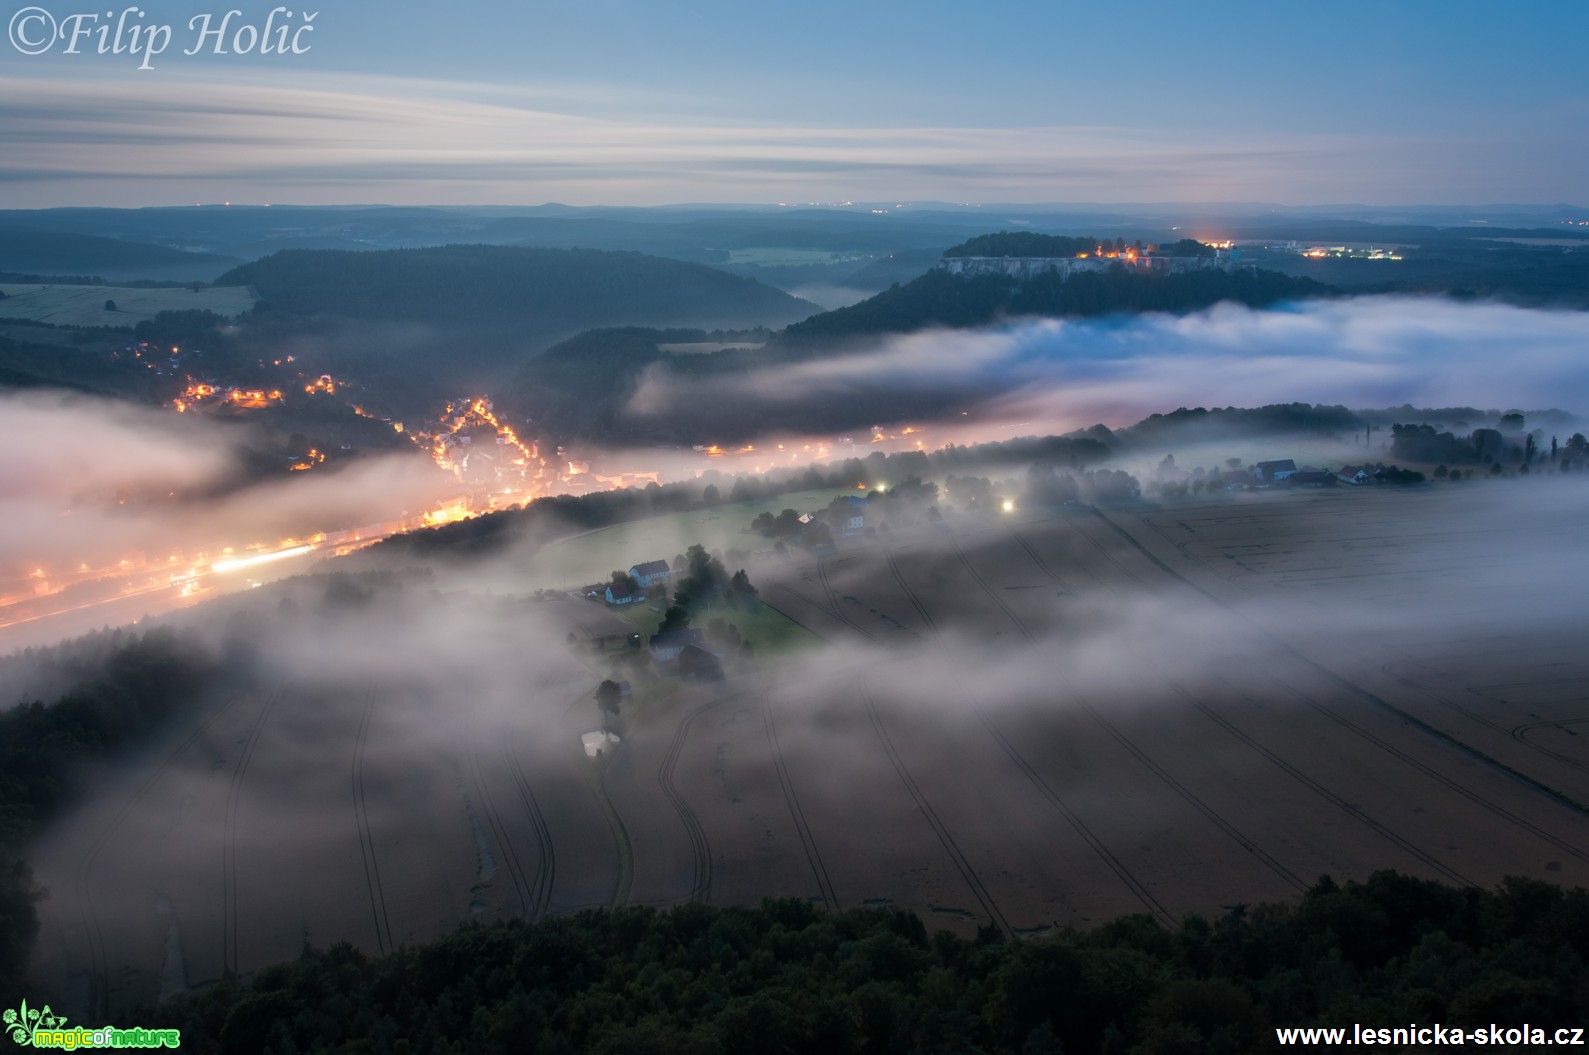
(128, 685)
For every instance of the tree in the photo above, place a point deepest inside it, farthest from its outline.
(110, 305)
(677, 617)
(608, 693)
(740, 592)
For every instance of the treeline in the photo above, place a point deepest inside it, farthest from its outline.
(1275, 419)
(1032, 244)
(789, 977)
(130, 685)
(1022, 243)
(546, 519)
(1423, 443)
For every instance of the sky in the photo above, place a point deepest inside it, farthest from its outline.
(616, 102)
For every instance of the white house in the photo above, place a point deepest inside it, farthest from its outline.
(650, 573)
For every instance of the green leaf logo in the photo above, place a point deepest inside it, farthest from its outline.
(17, 1025)
(23, 1021)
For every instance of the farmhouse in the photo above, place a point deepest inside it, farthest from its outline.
(650, 573)
(665, 648)
(1272, 471)
(623, 594)
(1355, 474)
(854, 516)
(1310, 476)
(701, 663)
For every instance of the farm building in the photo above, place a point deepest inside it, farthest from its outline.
(650, 573)
(1309, 476)
(698, 662)
(1272, 471)
(1355, 474)
(854, 516)
(623, 594)
(665, 648)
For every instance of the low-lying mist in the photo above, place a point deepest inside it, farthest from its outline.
(103, 481)
(1357, 351)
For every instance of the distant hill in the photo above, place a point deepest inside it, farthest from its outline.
(37, 251)
(938, 298)
(465, 316)
(547, 294)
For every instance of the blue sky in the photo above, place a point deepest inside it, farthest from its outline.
(613, 102)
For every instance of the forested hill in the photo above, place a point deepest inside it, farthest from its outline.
(1022, 243)
(939, 298)
(548, 293)
(30, 250)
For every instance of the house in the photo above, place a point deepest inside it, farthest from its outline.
(1272, 471)
(1308, 476)
(698, 662)
(854, 516)
(1355, 474)
(665, 648)
(1236, 480)
(617, 594)
(650, 573)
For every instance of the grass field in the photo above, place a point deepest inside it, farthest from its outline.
(85, 305)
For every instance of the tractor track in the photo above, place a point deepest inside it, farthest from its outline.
(1356, 690)
(1107, 856)
(361, 814)
(807, 842)
(229, 844)
(1520, 734)
(700, 849)
(540, 888)
(962, 865)
(499, 832)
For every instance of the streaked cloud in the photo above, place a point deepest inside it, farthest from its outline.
(211, 134)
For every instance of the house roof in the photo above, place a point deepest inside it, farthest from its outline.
(650, 567)
(677, 638)
(1280, 466)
